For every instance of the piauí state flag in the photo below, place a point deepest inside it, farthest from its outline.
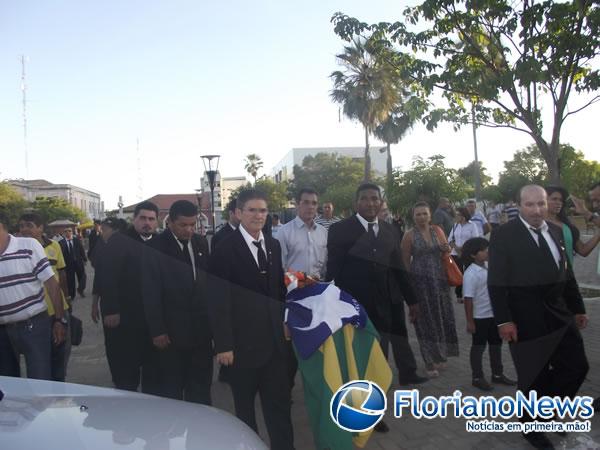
(336, 343)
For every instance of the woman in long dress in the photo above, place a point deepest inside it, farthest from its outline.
(422, 249)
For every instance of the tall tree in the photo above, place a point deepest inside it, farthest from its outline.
(366, 88)
(469, 174)
(509, 57)
(253, 164)
(391, 131)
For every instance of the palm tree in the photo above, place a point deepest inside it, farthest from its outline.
(391, 131)
(366, 89)
(253, 165)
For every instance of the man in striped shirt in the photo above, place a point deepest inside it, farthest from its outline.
(327, 218)
(25, 326)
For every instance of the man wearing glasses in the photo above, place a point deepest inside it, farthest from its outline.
(245, 303)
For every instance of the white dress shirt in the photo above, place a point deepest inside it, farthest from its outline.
(253, 248)
(547, 236)
(365, 223)
(461, 233)
(303, 248)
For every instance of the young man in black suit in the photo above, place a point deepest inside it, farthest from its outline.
(75, 260)
(537, 304)
(174, 296)
(227, 229)
(364, 259)
(129, 350)
(246, 304)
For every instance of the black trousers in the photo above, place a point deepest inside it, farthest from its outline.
(132, 359)
(486, 332)
(185, 373)
(458, 289)
(271, 383)
(553, 365)
(397, 335)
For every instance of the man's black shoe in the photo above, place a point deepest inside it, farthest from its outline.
(503, 379)
(382, 427)
(413, 379)
(481, 383)
(538, 440)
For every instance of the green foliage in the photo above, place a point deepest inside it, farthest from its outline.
(467, 173)
(276, 194)
(11, 202)
(326, 171)
(342, 197)
(427, 180)
(527, 166)
(253, 163)
(504, 59)
(53, 208)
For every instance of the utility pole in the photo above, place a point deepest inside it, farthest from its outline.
(477, 171)
(140, 190)
(24, 91)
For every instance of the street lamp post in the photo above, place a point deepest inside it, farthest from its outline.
(211, 165)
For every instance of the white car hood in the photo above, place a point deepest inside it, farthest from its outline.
(48, 415)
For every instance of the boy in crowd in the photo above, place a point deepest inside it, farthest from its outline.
(480, 317)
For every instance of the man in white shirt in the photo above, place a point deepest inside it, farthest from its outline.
(25, 326)
(478, 218)
(303, 241)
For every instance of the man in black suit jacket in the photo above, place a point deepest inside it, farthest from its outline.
(129, 350)
(227, 229)
(537, 304)
(364, 259)
(246, 301)
(75, 260)
(174, 295)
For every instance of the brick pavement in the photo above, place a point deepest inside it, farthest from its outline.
(88, 366)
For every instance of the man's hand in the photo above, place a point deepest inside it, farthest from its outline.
(58, 333)
(161, 342)
(445, 247)
(580, 207)
(225, 358)
(581, 320)
(508, 332)
(471, 327)
(112, 320)
(286, 332)
(413, 312)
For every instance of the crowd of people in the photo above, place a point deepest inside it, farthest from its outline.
(171, 303)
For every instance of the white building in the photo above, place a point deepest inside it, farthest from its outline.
(223, 188)
(284, 170)
(89, 202)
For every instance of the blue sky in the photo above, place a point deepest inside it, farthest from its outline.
(189, 78)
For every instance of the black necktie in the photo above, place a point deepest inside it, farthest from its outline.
(186, 251)
(262, 257)
(371, 231)
(543, 245)
(69, 247)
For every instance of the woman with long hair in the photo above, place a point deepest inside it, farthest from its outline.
(557, 214)
(422, 249)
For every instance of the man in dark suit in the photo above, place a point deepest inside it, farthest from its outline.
(75, 260)
(174, 296)
(364, 259)
(246, 301)
(129, 350)
(227, 229)
(537, 304)
(94, 237)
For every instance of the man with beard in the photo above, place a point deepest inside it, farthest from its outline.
(131, 356)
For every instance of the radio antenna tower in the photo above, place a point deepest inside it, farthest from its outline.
(140, 189)
(24, 91)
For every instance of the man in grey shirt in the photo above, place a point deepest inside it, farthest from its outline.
(303, 241)
(442, 216)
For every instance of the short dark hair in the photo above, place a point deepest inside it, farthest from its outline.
(305, 190)
(464, 212)
(275, 216)
(231, 205)
(112, 222)
(249, 194)
(182, 208)
(147, 205)
(472, 247)
(365, 187)
(32, 217)
(421, 204)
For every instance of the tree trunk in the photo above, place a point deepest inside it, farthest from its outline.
(367, 157)
(389, 166)
(550, 153)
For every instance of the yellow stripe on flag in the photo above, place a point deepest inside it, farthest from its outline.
(331, 365)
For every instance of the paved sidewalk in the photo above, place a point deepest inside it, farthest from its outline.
(88, 366)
